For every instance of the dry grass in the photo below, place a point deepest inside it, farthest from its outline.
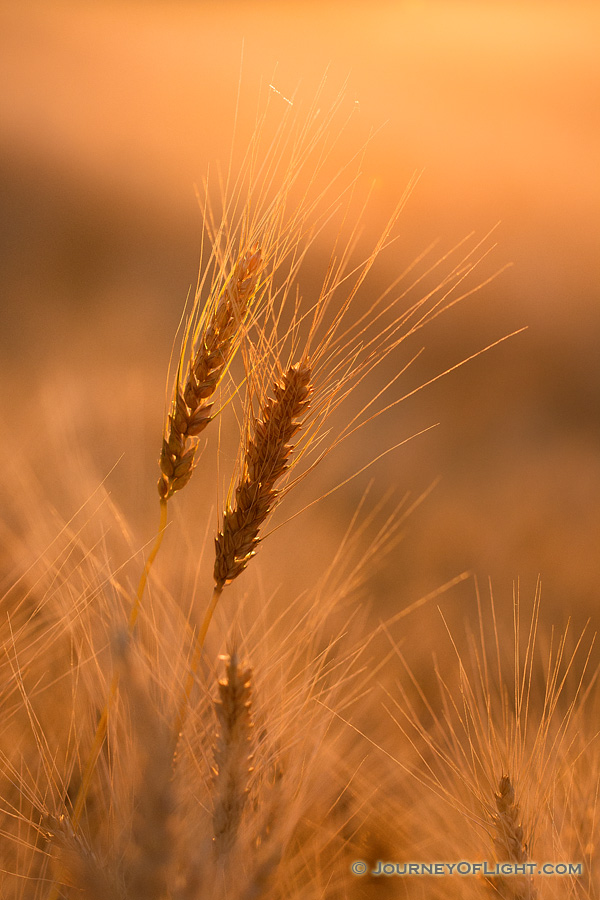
(130, 766)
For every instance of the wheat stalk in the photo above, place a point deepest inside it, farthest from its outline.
(151, 848)
(214, 342)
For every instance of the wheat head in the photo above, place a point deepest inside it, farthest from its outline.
(268, 451)
(232, 753)
(191, 405)
(510, 844)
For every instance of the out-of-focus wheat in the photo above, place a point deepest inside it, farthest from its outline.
(510, 844)
(232, 754)
(511, 705)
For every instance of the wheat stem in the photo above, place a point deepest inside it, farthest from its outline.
(102, 726)
(197, 655)
(103, 722)
(135, 610)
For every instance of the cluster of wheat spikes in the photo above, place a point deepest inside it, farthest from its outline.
(130, 766)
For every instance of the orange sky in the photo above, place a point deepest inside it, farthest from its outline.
(497, 102)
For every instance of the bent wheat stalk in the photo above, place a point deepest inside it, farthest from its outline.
(214, 343)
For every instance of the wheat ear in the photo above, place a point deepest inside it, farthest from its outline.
(266, 458)
(510, 844)
(215, 345)
(232, 753)
(76, 864)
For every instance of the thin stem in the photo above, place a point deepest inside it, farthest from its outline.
(86, 779)
(101, 728)
(198, 647)
(151, 557)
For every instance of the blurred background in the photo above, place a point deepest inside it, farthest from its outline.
(111, 112)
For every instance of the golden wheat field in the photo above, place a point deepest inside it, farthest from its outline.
(300, 456)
